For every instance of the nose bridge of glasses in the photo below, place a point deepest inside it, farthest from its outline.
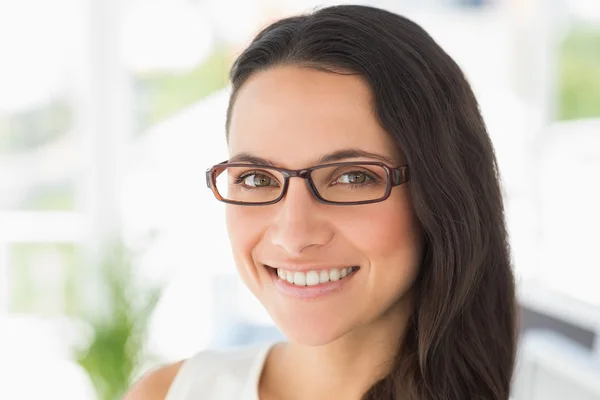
(298, 173)
(304, 174)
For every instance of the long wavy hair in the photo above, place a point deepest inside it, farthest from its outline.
(461, 340)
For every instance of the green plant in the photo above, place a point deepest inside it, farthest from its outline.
(579, 67)
(117, 348)
(162, 94)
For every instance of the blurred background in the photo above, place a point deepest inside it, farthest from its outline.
(113, 254)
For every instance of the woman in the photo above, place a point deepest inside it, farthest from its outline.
(386, 263)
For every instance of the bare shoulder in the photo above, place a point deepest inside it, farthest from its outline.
(155, 384)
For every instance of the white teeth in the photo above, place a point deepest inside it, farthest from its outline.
(334, 274)
(312, 278)
(299, 278)
(323, 276)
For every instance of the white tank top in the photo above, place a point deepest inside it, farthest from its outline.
(220, 375)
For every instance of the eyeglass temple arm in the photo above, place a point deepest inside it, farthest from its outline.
(209, 178)
(400, 175)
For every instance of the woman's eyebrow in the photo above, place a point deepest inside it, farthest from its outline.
(338, 155)
(251, 159)
(353, 153)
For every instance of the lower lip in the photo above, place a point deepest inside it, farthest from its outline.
(309, 292)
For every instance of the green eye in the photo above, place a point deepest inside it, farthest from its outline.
(354, 178)
(257, 180)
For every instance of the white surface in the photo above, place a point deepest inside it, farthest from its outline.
(553, 368)
(34, 33)
(166, 35)
(35, 361)
(568, 194)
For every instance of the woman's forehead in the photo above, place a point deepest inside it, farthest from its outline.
(304, 112)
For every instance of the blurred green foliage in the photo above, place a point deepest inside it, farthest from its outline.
(119, 326)
(51, 279)
(30, 129)
(50, 197)
(32, 291)
(160, 95)
(579, 74)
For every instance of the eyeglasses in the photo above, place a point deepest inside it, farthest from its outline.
(344, 183)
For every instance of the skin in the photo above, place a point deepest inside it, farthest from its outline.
(294, 116)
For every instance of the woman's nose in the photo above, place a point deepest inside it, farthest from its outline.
(299, 222)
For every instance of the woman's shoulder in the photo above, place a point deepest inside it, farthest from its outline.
(156, 384)
(209, 371)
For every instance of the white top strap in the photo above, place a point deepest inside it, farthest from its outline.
(220, 375)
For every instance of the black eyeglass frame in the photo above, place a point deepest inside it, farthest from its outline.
(398, 175)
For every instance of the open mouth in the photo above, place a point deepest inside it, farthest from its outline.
(312, 277)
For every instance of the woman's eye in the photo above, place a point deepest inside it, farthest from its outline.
(354, 178)
(257, 180)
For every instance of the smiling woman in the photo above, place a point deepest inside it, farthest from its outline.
(386, 263)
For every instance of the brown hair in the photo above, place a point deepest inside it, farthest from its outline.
(462, 338)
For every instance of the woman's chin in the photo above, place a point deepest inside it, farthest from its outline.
(307, 338)
(310, 332)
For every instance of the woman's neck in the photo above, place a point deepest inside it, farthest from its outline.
(345, 368)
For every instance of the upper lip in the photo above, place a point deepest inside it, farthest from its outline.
(306, 267)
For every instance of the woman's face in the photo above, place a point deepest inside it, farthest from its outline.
(293, 117)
